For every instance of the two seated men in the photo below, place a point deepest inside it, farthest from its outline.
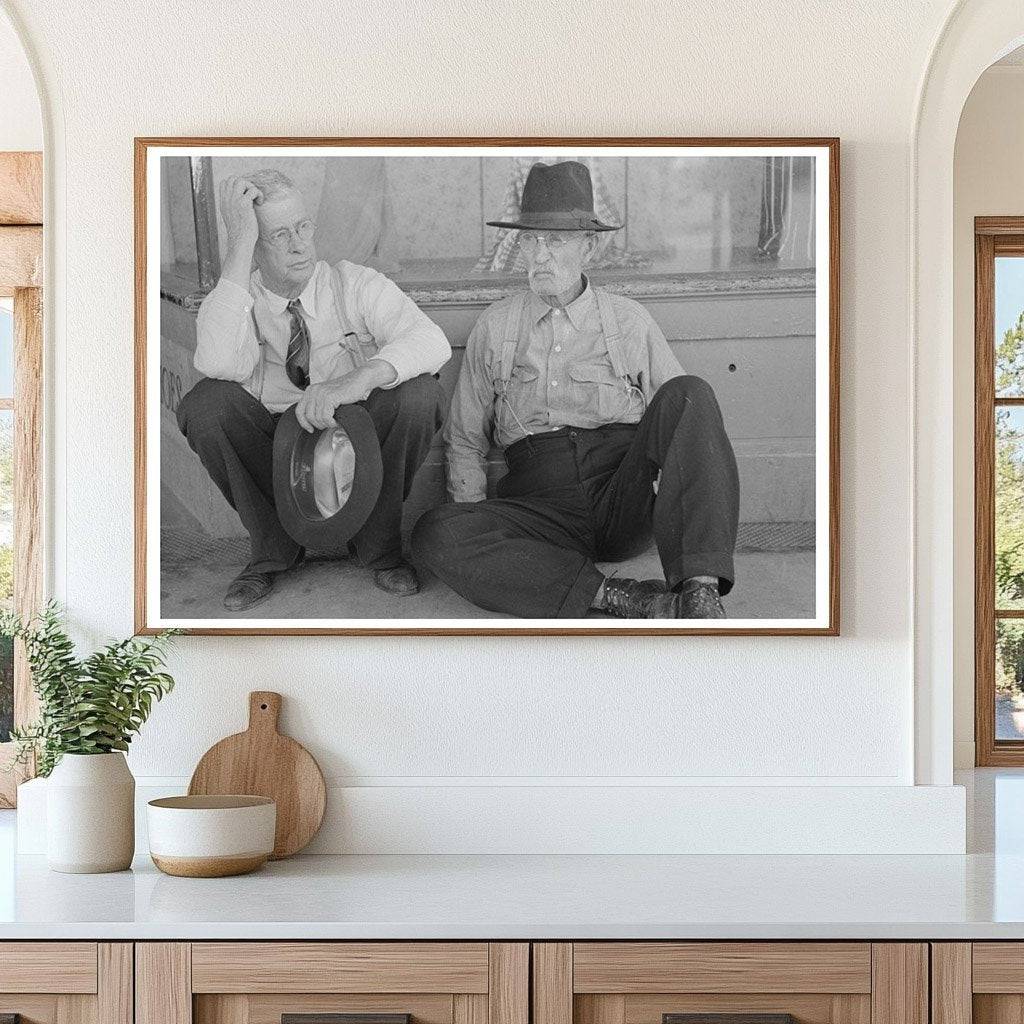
(607, 441)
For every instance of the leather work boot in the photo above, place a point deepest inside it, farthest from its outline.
(401, 581)
(697, 600)
(249, 587)
(632, 599)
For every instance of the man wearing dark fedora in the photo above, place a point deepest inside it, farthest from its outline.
(283, 331)
(606, 442)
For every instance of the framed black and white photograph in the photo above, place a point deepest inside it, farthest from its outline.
(480, 386)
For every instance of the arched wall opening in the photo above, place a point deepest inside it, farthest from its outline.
(976, 34)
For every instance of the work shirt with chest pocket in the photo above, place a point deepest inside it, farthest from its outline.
(530, 368)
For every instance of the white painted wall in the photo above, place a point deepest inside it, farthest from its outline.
(21, 125)
(988, 181)
(444, 713)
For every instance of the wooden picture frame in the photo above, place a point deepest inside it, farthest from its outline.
(150, 290)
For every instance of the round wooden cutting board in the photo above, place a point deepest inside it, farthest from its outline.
(262, 762)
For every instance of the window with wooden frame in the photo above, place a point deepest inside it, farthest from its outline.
(21, 364)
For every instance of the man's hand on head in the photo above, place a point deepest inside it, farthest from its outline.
(237, 200)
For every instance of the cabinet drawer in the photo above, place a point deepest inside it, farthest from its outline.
(340, 967)
(48, 967)
(260, 982)
(751, 982)
(634, 967)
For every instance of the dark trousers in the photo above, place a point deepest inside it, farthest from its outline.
(573, 496)
(233, 435)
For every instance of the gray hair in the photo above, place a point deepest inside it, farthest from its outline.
(271, 183)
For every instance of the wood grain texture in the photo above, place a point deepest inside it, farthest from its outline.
(48, 967)
(76, 1009)
(600, 1009)
(262, 762)
(851, 1009)
(269, 1009)
(899, 989)
(951, 983)
(21, 188)
(552, 983)
(144, 143)
(632, 967)
(227, 1009)
(21, 258)
(998, 1009)
(339, 967)
(997, 967)
(163, 983)
(509, 983)
(816, 1008)
(466, 1009)
(115, 983)
(33, 1009)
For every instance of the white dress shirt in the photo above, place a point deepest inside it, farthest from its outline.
(385, 324)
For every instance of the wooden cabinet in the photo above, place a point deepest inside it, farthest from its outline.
(980, 982)
(815, 982)
(66, 982)
(259, 982)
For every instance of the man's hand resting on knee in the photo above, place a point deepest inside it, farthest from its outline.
(315, 409)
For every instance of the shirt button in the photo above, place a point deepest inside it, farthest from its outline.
(554, 383)
(558, 348)
(557, 312)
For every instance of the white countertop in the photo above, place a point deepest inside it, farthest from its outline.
(532, 897)
(977, 896)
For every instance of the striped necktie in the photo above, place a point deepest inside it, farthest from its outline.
(296, 365)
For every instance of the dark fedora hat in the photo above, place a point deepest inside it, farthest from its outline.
(557, 197)
(327, 482)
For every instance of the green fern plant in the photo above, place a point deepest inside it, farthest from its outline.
(91, 705)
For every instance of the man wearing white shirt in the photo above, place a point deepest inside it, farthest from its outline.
(297, 331)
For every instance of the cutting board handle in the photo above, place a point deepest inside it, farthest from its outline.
(264, 710)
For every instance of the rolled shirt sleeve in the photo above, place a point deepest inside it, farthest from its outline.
(468, 431)
(226, 343)
(407, 338)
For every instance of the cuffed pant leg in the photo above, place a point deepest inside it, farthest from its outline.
(406, 419)
(500, 555)
(696, 510)
(233, 435)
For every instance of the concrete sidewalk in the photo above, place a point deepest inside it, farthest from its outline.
(769, 585)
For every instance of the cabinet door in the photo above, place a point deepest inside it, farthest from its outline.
(66, 982)
(306, 982)
(980, 982)
(750, 982)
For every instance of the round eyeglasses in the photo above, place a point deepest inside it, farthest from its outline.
(554, 242)
(282, 237)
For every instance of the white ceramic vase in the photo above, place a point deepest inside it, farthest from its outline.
(90, 814)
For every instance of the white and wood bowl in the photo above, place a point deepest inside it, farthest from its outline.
(211, 836)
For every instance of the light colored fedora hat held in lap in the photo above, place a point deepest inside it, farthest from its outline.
(557, 197)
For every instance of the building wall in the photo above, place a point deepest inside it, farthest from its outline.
(412, 723)
(988, 181)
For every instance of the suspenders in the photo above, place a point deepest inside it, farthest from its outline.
(350, 338)
(516, 330)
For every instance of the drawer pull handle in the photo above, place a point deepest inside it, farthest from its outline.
(728, 1018)
(342, 1018)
